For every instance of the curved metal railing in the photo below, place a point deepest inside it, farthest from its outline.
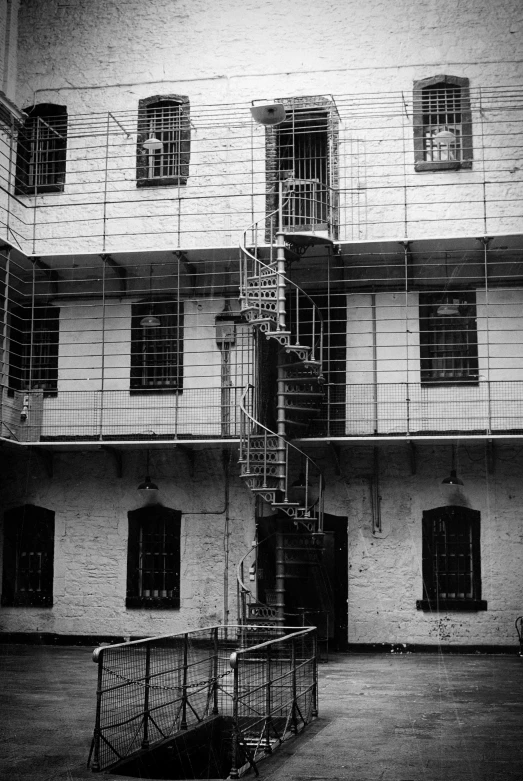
(311, 499)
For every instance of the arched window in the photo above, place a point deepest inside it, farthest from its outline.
(442, 124)
(28, 557)
(41, 150)
(451, 559)
(153, 557)
(165, 120)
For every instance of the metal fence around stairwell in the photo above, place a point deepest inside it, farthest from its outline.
(263, 680)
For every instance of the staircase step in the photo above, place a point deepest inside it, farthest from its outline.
(315, 394)
(308, 363)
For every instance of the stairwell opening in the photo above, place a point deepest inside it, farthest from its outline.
(200, 752)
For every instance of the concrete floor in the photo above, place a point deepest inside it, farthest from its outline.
(383, 717)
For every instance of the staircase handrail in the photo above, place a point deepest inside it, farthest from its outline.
(243, 248)
(298, 450)
(268, 430)
(253, 547)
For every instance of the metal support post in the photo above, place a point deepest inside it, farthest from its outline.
(280, 574)
(183, 723)
(315, 674)
(268, 684)
(145, 740)
(235, 747)
(294, 698)
(215, 673)
(97, 731)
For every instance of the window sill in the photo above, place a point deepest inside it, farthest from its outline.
(442, 165)
(153, 603)
(152, 390)
(43, 190)
(168, 181)
(463, 382)
(27, 601)
(465, 605)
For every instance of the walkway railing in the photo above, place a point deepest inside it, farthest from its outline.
(263, 680)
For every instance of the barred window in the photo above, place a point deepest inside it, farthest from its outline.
(153, 558)
(303, 152)
(41, 150)
(157, 346)
(442, 124)
(448, 338)
(28, 557)
(33, 348)
(451, 559)
(163, 146)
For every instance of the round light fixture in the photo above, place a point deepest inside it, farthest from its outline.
(268, 113)
(153, 144)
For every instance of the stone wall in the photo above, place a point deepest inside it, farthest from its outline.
(385, 569)
(91, 529)
(132, 50)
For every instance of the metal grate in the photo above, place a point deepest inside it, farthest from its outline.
(148, 690)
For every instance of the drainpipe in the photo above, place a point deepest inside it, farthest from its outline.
(374, 362)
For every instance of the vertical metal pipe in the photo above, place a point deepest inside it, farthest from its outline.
(374, 361)
(215, 672)
(183, 723)
(5, 338)
(268, 698)
(486, 241)
(235, 748)
(145, 739)
(97, 729)
(280, 574)
(315, 673)
(293, 673)
(32, 332)
(102, 368)
(104, 221)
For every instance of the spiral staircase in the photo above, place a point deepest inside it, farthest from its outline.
(278, 472)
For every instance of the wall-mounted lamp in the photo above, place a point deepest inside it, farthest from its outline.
(268, 113)
(147, 484)
(152, 144)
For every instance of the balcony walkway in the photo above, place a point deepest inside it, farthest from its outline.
(383, 717)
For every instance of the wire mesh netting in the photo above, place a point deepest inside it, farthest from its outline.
(275, 692)
(149, 690)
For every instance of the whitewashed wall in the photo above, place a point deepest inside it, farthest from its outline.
(260, 51)
(385, 570)
(91, 532)
(384, 393)
(94, 365)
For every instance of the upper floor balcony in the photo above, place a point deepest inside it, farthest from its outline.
(420, 339)
(441, 159)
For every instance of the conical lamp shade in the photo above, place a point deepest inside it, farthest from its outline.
(148, 485)
(452, 479)
(150, 321)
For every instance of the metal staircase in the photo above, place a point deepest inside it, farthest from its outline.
(274, 469)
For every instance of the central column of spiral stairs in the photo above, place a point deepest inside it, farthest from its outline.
(266, 456)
